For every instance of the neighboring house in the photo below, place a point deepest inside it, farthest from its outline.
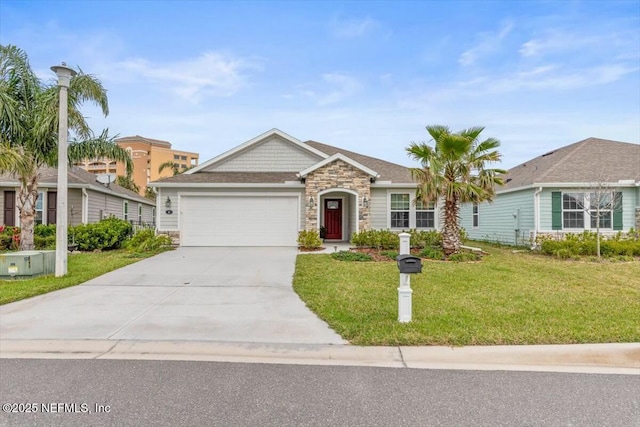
(147, 154)
(545, 194)
(263, 192)
(88, 201)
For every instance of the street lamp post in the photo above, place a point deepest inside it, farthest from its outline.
(64, 74)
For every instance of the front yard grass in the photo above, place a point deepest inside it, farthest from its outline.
(508, 298)
(81, 267)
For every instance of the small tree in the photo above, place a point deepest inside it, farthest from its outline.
(601, 199)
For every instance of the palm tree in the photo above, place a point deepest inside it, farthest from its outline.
(454, 172)
(128, 183)
(175, 167)
(29, 126)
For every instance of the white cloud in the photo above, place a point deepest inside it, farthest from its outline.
(334, 88)
(352, 28)
(487, 43)
(210, 74)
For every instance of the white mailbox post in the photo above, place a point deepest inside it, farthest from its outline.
(404, 291)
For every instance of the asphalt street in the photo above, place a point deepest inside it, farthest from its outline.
(182, 393)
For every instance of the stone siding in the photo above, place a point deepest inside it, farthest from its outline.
(337, 175)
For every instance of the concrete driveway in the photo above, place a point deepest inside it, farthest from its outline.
(200, 294)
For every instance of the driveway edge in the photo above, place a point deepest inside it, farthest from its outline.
(580, 358)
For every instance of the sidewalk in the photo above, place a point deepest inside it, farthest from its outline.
(580, 358)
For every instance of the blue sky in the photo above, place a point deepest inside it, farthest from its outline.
(365, 76)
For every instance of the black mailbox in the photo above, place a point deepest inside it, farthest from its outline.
(409, 264)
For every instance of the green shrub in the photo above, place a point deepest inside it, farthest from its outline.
(378, 239)
(48, 242)
(585, 244)
(390, 254)
(464, 257)
(9, 238)
(432, 253)
(424, 239)
(41, 230)
(147, 241)
(309, 239)
(351, 256)
(110, 233)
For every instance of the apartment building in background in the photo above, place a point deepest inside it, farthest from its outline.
(147, 154)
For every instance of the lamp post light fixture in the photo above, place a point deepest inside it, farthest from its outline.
(64, 74)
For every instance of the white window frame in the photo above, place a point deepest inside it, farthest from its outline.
(593, 212)
(587, 214)
(139, 213)
(43, 208)
(475, 215)
(407, 210)
(428, 207)
(414, 208)
(125, 210)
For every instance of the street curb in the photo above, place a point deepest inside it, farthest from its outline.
(580, 358)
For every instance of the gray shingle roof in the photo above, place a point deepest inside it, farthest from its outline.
(581, 162)
(79, 176)
(233, 177)
(388, 171)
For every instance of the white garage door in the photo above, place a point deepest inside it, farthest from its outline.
(239, 220)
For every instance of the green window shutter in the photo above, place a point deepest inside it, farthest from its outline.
(556, 210)
(617, 212)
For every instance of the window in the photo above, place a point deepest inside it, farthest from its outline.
(400, 206)
(125, 210)
(405, 214)
(573, 210)
(425, 215)
(39, 208)
(476, 215)
(600, 205)
(153, 215)
(183, 157)
(176, 157)
(183, 166)
(139, 213)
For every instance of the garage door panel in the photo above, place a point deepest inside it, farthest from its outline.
(239, 220)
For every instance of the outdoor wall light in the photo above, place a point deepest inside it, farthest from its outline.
(365, 202)
(167, 203)
(311, 202)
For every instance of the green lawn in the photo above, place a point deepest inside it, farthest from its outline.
(81, 267)
(508, 298)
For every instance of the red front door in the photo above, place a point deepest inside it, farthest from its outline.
(333, 218)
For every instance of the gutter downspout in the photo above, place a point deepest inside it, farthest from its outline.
(536, 214)
(85, 206)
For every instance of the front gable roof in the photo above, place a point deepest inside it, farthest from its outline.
(253, 142)
(581, 162)
(339, 156)
(223, 170)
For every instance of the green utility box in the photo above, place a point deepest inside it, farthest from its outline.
(22, 264)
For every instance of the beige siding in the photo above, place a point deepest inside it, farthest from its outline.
(272, 155)
(171, 222)
(378, 208)
(74, 206)
(109, 205)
